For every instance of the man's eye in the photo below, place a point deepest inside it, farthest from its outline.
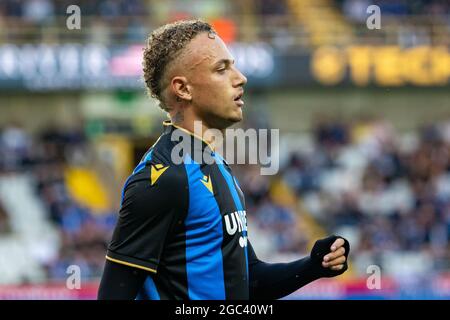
(221, 70)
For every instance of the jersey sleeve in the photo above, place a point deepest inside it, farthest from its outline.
(270, 281)
(154, 200)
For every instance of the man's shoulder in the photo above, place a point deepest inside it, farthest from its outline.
(161, 151)
(160, 174)
(157, 169)
(156, 183)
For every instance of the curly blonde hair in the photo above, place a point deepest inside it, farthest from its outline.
(163, 46)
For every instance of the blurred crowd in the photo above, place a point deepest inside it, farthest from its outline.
(284, 24)
(100, 20)
(395, 192)
(389, 193)
(83, 235)
(46, 11)
(406, 23)
(356, 9)
(386, 192)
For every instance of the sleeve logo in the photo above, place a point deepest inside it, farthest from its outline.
(156, 171)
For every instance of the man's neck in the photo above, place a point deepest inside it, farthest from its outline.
(194, 125)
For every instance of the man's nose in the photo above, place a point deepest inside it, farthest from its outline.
(241, 79)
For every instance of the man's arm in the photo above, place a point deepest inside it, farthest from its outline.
(277, 280)
(146, 220)
(121, 282)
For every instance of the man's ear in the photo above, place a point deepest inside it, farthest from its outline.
(181, 88)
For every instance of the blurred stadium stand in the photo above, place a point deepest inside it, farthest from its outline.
(286, 23)
(365, 148)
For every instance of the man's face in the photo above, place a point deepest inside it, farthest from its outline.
(215, 83)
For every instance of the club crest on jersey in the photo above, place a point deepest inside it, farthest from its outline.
(206, 180)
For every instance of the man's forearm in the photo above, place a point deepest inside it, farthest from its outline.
(277, 280)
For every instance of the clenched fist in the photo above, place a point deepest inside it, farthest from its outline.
(331, 255)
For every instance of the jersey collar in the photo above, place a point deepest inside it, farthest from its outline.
(170, 127)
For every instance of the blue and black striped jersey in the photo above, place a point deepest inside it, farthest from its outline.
(184, 222)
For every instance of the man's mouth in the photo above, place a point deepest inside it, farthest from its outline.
(238, 99)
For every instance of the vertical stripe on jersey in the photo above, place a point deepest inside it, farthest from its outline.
(204, 236)
(233, 190)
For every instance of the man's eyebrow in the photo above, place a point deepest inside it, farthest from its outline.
(224, 61)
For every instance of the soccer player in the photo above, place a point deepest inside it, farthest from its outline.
(182, 231)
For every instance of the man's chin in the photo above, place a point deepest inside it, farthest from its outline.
(237, 116)
(235, 119)
(224, 121)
